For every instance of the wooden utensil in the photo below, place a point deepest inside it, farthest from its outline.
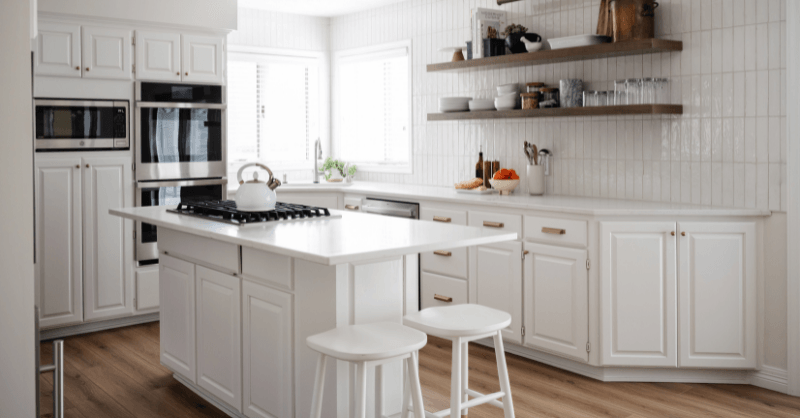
(535, 155)
(604, 22)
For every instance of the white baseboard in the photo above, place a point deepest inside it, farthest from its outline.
(771, 378)
(227, 409)
(53, 333)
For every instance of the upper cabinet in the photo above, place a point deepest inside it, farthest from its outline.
(107, 53)
(202, 58)
(158, 55)
(58, 50)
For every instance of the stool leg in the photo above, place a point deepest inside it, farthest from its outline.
(465, 375)
(379, 391)
(416, 387)
(455, 380)
(406, 389)
(502, 372)
(319, 384)
(361, 390)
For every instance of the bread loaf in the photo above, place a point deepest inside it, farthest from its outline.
(469, 184)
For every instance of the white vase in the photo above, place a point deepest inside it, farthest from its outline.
(536, 180)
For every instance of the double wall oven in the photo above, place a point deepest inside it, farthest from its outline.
(181, 150)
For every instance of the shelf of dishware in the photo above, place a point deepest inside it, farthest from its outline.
(638, 109)
(605, 50)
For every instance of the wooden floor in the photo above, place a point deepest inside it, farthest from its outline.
(117, 374)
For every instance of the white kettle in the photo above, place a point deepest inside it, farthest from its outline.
(255, 195)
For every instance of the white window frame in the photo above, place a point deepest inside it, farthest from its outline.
(352, 54)
(261, 54)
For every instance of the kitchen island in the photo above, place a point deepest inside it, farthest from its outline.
(238, 302)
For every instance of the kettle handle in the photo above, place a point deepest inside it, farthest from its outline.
(241, 170)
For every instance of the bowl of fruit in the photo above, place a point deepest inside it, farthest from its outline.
(505, 181)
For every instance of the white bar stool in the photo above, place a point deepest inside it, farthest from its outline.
(462, 324)
(369, 345)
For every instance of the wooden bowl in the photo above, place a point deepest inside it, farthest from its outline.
(504, 186)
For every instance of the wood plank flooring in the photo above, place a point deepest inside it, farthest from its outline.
(117, 374)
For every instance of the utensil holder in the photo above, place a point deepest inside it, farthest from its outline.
(536, 180)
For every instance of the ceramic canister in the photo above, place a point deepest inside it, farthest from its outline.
(571, 92)
(536, 180)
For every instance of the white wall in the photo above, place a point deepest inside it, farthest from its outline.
(208, 14)
(17, 367)
(727, 149)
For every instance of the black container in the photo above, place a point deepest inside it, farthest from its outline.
(469, 50)
(494, 47)
(515, 44)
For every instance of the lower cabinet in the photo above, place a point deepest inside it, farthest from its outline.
(145, 287)
(437, 290)
(497, 279)
(556, 299)
(219, 344)
(266, 352)
(177, 285)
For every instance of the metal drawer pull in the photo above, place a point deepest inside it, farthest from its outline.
(493, 224)
(672, 233)
(683, 234)
(443, 253)
(441, 219)
(443, 298)
(554, 231)
(351, 207)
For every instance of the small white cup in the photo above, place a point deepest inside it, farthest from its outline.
(536, 180)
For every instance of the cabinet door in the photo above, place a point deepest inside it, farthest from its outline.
(556, 300)
(58, 50)
(717, 299)
(145, 299)
(202, 58)
(267, 352)
(59, 271)
(219, 344)
(158, 56)
(176, 286)
(107, 239)
(107, 53)
(638, 294)
(496, 273)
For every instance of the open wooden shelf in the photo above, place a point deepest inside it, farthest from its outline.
(618, 49)
(659, 109)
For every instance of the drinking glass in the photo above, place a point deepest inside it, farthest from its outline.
(602, 98)
(648, 91)
(662, 90)
(634, 90)
(620, 93)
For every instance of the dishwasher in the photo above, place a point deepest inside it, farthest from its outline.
(411, 275)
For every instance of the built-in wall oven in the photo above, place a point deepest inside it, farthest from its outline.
(167, 193)
(181, 132)
(67, 125)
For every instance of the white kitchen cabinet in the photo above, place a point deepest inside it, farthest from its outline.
(107, 53)
(158, 56)
(107, 239)
(59, 248)
(219, 343)
(177, 285)
(146, 297)
(638, 294)
(717, 301)
(437, 290)
(202, 58)
(496, 274)
(266, 352)
(556, 300)
(58, 50)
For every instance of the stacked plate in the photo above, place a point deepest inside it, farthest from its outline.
(454, 104)
(577, 40)
(481, 104)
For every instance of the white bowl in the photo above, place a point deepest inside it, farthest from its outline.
(577, 40)
(507, 89)
(505, 103)
(454, 104)
(505, 187)
(481, 104)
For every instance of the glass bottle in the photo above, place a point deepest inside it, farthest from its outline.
(479, 165)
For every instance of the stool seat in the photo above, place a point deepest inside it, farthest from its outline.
(368, 342)
(465, 320)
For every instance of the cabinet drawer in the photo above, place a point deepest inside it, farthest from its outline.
(201, 250)
(267, 268)
(499, 221)
(556, 231)
(352, 204)
(442, 291)
(456, 263)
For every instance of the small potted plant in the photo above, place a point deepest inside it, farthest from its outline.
(514, 34)
(336, 171)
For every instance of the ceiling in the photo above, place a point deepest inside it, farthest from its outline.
(326, 8)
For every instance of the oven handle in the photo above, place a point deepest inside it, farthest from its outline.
(181, 183)
(181, 105)
(86, 103)
(401, 213)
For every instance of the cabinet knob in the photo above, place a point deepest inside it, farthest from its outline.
(187, 73)
(178, 73)
(443, 253)
(443, 298)
(78, 68)
(683, 234)
(493, 224)
(78, 166)
(672, 233)
(87, 165)
(87, 68)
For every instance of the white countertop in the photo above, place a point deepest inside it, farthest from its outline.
(352, 238)
(564, 204)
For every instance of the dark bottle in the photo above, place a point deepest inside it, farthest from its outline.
(479, 165)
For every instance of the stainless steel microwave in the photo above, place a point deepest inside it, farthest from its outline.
(81, 124)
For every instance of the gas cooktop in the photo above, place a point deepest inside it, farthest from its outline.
(225, 211)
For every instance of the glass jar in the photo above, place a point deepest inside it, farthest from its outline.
(648, 91)
(534, 87)
(602, 98)
(589, 98)
(530, 100)
(633, 86)
(548, 98)
(662, 90)
(620, 93)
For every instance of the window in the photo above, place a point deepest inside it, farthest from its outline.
(273, 110)
(373, 104)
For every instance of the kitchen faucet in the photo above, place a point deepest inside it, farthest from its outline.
(317, 156)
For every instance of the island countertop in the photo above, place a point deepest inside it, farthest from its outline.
(329, 241)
